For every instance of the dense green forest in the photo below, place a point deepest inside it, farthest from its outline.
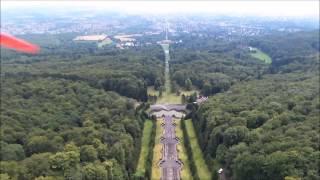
(62, 128)
(127, 71)
(286, 48)
(69, 112)
(61, 113)
(268, 128)
(212, 66)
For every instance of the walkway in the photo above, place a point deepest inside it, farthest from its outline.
(170, 164)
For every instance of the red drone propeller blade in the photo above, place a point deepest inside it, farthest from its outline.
(11, 42)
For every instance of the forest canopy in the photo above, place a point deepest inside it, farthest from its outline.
(268, 128)
(62, 128)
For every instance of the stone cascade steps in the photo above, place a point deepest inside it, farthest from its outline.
(170, 164)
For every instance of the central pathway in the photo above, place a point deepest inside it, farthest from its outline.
(170, 164)
(167, 82)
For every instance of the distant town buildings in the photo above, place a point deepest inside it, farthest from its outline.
(91, 38)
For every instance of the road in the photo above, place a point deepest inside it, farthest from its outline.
(169, 164)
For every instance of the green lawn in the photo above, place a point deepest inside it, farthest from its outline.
(168, 97)
(157, 154)
(147, 130)
(188, 93)
(261, 56)
(152, 91)
(198, 159)
(182, 153)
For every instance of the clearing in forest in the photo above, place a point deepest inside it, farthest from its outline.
(256, 53)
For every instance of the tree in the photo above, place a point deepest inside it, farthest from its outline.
(103, 152)
(114, 169)
(175, 88)
(157, 84)
(88, 153)
(13, 170)
(234, 135)
(67, 159)
(4, 176)
(256, 119)
(49, 178)
(11, 152)
(292, 178)
(38, 144)
(161, 89)
(94, 171)
(188, 84)
(248, 165)
(38, 165)
(183, 99)
(206, 90)
(221, 153)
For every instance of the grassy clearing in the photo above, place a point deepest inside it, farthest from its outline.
(188, 93)
(152, 91)
(202, 169)
(168, 97)
(261, 56)
(157, 154)
(182, 152)
(146, 138)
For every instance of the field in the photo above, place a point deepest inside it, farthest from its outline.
(185, 172)
(168, 97)
(152, 91)
(155, 171)
(188, 93)
(198, 159)
(261, 56)
(147, 130)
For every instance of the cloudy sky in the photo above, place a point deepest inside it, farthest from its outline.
(260, 8)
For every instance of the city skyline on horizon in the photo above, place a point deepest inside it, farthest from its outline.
(237, 8)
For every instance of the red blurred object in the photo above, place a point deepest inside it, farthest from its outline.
(17, 44)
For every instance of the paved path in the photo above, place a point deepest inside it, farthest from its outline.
(170, 164)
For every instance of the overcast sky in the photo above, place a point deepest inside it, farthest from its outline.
(262, 8)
